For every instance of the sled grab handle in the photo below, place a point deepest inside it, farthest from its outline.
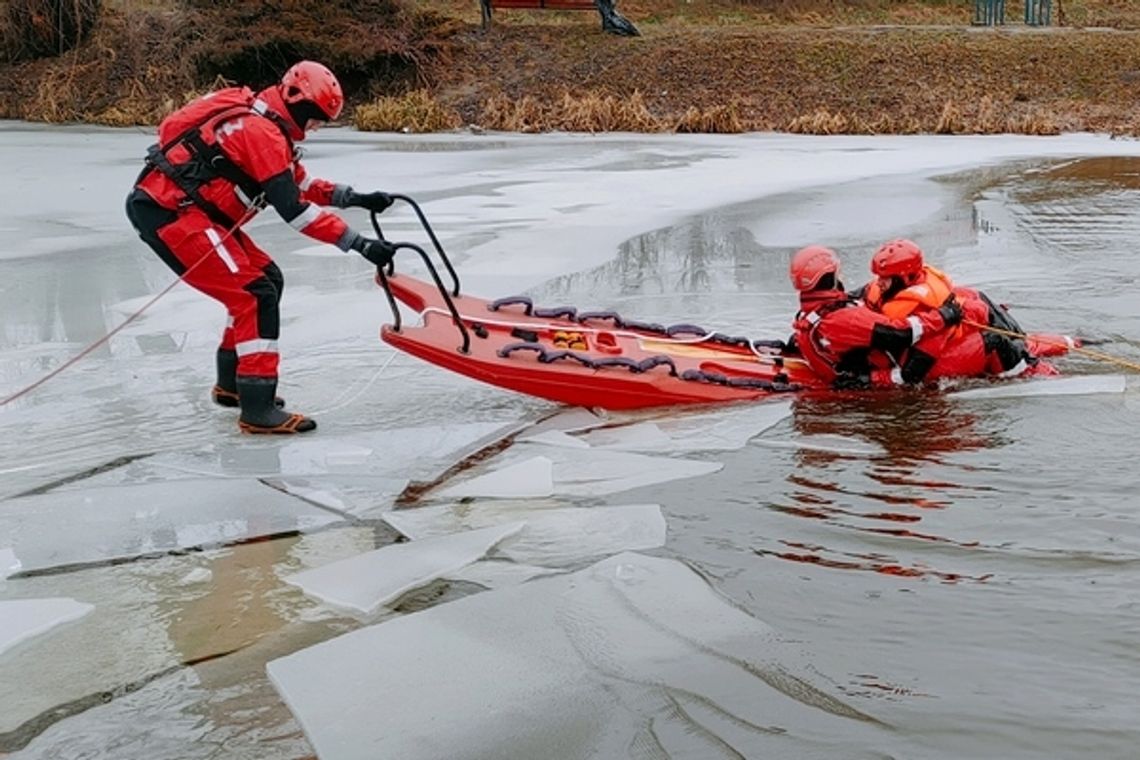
(382, 280)
(430, 233)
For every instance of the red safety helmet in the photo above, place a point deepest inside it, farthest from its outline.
(809, 266)
(897, 258)
(311, 82)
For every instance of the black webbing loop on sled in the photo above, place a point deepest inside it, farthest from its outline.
(545, 356)
(751, 383)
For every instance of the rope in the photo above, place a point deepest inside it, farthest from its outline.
(130, 318)
(1060, 343)
(338, 404)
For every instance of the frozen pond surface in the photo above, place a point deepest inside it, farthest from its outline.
(926, 575)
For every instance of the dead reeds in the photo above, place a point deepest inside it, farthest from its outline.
(416, 111)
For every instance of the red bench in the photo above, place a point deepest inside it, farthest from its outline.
(550, 5)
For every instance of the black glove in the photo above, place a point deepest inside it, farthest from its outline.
(379, 252)
(377, 201)
(951, 312)
(849, 381)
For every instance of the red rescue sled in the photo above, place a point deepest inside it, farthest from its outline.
(589, 359)
(592, 359)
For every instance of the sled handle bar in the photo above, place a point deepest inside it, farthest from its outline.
(382, 279)
(431, 234)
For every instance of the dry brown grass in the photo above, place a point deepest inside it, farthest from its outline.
(723, 120)
(571, 113)
(704, 66)
(416, 111)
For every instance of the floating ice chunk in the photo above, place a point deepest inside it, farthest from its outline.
(21, 619)
(1051, 386)
(591, 472)
(318, 494)
(640, 436)
(589, 662)
(98, 524)
(717, 431)
(497, 573)
(551, 536)
(409, 452)
(197, 575)
(726, 430)
(555, 438)
(833, 444)
(9, 563)
(530, 478)
(368, 581)
(569, 421)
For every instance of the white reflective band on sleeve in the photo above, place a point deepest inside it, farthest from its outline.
(306, 217)
(915, 329)
(259, 346)
(305, 183)
(896, 375)
(245, 199)
(220, 249)
(229, 321)
(259, 106)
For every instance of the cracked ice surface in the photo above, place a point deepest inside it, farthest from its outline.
(554, 536)
(112, 522)
(353, 473)
(23, 619)
(632, 657)
(368, 581)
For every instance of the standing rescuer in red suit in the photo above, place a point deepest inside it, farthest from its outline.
(218, 161)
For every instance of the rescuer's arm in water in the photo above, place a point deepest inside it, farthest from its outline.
(854, 334)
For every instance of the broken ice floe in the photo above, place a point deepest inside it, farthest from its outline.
(531, 478)
(723, 430)
(368, 581)
(575, 472)
(9, 563)
(22, 619)
(495, 573)
(552, 536)
(1049, 386)
(633, 653)
(113, 522)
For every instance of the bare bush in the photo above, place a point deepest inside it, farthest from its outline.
(42, 28)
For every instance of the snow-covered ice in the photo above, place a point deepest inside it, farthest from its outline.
(550, 535)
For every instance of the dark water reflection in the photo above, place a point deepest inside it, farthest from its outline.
(995, 544)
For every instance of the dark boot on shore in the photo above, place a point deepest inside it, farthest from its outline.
(259, 413)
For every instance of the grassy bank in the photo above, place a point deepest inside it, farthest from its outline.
(819, 66)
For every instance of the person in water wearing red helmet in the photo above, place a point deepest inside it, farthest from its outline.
(906, 285)
(848, 344)
(218, 161)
